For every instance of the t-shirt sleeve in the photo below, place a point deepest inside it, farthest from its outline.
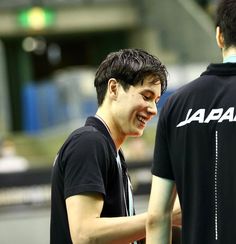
(85, 165)
(161, 165)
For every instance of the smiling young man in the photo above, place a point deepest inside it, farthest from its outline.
(91, 192)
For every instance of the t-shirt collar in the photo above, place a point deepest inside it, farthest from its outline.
(102, 127)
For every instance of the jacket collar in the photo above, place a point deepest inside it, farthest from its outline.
(225, 69)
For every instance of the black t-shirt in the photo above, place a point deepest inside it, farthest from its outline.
(196, 147)
(86, 163)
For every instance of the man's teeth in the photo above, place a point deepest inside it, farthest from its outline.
(141, 119)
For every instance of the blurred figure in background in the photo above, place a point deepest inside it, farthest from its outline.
(91, 192)
(9, 160)
(195, 150)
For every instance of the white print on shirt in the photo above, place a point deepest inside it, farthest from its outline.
(217, 114)
(216, 185)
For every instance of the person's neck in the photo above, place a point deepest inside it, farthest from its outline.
(229, 53)
(106, 119)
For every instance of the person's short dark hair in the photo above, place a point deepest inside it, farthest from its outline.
(226, 20)
(129, 67)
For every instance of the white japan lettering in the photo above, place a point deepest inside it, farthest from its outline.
(200, 116)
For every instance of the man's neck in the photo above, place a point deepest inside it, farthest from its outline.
(229, 54)
(106, 119)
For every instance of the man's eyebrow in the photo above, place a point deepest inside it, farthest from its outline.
(148, 90)
(151, 92)
(156, 81)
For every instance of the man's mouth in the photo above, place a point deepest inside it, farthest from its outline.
(142, 120)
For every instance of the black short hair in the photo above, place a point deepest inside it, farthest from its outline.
(129, 67)
(226, 20)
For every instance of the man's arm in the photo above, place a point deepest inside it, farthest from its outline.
(159, 219)
(176, 214)
(86, 225)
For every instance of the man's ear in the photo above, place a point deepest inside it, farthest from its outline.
(220, 38)
(112, 88)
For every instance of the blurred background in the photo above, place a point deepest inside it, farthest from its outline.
(49, 51)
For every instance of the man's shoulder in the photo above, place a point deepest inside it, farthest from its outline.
(83, 130)
(191, 86)
(185, 96)
(198, 85)
(87, 133)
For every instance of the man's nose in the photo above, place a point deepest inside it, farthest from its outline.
(152, 108)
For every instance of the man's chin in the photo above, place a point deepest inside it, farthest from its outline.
(137, 133)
